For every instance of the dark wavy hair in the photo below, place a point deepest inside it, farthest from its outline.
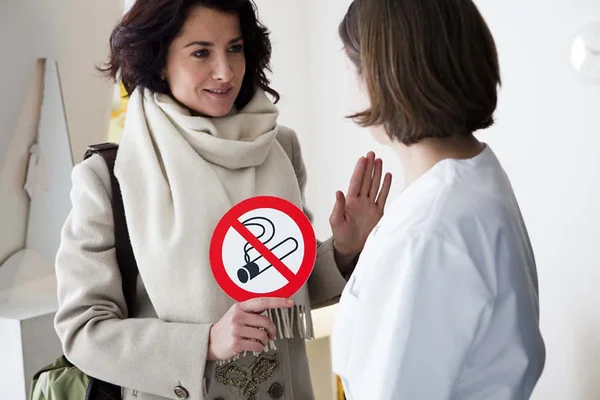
(140, 41)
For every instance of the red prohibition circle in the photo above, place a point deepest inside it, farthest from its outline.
(231, 220)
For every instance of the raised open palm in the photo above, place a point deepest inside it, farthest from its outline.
(355, 215)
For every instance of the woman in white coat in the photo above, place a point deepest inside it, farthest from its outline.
(444, 301)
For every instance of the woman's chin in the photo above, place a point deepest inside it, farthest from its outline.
(213, 111)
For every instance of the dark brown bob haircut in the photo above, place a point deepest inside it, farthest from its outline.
(140, 42)
(430, 66)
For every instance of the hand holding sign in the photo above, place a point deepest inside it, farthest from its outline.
(243, 329)
(262, 251)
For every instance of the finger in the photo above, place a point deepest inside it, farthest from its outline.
(385, 191)
(357, 177)
(376, 179)
(337, 215)
(260, 321)
(368, 175)
(243, 345)
(248, 332)
(262, 304)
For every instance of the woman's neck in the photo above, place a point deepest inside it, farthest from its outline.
(420, 157)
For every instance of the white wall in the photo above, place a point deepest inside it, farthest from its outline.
(292, 63)
(310, 72)
(337, 142)
(547, 136)
(288, 24)
(73, 32)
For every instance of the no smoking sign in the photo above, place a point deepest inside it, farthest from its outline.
(263, 247)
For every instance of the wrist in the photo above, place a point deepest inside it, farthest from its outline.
(343, 257)
(343, 252)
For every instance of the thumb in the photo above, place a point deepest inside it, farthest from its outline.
(337, 215)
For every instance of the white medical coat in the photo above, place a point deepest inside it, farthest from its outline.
(443, 303)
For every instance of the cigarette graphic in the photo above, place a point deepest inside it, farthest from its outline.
(256, 264)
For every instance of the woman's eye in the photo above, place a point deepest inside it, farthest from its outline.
(236, 48)
(200, 53)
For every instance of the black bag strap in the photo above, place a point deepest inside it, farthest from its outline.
(125, 258)
(97, 389)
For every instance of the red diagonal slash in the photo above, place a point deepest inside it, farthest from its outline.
(263, 250)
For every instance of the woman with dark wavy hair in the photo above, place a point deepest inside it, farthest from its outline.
(201, 135)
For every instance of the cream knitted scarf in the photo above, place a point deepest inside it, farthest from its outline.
(179, 174)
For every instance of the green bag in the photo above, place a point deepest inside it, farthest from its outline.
(59, 381)
(62, 380)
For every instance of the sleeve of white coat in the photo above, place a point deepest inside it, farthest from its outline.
(437, 303)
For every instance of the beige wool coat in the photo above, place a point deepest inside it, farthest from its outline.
(155, 359)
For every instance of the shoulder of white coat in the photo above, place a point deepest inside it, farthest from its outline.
(417, 238)
(92, 175)
(433, 249)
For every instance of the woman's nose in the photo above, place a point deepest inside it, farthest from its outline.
(222, 70)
